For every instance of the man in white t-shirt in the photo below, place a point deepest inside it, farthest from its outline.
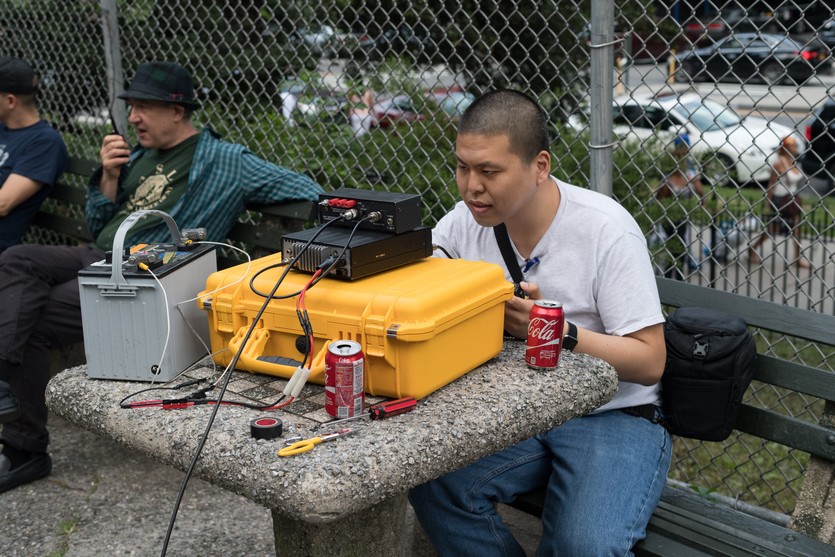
(605, 471)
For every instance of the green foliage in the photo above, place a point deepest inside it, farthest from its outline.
(71, 78)
(241, 55)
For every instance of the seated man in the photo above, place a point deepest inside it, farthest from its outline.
(192, 175)
(32, 153)
(604, 472)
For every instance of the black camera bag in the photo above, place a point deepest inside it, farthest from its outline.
(710, 363)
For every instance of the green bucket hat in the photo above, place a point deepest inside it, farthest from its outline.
(162, 81)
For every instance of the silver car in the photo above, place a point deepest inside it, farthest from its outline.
(729, 147)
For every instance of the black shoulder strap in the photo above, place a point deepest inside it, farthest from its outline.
(509, 257)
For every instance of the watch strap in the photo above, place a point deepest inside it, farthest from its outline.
(569, 340)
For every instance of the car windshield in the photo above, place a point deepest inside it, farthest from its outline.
(707, 115)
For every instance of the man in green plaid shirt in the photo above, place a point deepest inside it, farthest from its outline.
(190, 174)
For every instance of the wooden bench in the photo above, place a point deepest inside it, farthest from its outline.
(60, 221)
(687, 523)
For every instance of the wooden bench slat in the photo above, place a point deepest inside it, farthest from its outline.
(296, 210)
(81, 167)
(788, 431)
(69, 194)
(63, 225)
(797, 377)
(695, 520)
(252, 234)
(696, 535)
(657, 544)
(796, 322)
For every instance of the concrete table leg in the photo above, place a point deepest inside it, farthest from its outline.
(379, 530)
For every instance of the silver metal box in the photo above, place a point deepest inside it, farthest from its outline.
(127, 314)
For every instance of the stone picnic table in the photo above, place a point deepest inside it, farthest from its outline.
(352, 489)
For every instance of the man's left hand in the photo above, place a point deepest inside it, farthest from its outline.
(517, 311)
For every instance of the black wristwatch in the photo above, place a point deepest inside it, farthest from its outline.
(569, 340)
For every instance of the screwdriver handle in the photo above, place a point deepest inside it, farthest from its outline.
(382, 410)
(392, 408)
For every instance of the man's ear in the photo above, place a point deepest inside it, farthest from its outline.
(179, 112)
(10, 100)
(543, 165)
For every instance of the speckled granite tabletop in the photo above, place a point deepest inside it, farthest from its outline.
(499, 403)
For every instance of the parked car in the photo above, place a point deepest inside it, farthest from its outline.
(397, 41)
(761, 16)
(826, 34)
(744, 56)
(395, 110)
(806, 17)
(818, 160)
(318, 39)
(452, 102)
(730, 148)
(703, 31)
(323, 105)
(343, 45)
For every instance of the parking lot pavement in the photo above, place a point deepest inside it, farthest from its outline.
(104, 499)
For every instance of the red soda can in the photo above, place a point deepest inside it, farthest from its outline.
(344, 379)
(544, 335)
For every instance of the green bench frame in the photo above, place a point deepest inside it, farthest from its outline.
(687, 524)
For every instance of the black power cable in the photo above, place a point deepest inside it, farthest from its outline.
(231, 367)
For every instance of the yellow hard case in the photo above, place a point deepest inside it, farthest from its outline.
(420, 326)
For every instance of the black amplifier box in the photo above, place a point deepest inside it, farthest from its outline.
(368, 252)
(385, 211)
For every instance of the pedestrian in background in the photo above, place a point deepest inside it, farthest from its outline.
(680, 184)
(360, 116)
(783, 201)
(288, 105)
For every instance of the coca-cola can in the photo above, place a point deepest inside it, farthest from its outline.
(544, 335)
(344, 379)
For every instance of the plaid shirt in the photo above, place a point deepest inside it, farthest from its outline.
(223, 179)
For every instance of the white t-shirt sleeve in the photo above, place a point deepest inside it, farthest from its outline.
(627, 299)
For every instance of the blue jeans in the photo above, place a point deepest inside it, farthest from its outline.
(604, 475)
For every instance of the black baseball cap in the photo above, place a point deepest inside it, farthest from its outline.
(162, 81)
(16, 76)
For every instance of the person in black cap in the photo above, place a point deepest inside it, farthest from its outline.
(32, 153)
(188, 173)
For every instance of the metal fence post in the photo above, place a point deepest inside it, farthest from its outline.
(113, 61)
(601, 82)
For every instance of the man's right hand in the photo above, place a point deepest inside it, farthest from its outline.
(115, 153)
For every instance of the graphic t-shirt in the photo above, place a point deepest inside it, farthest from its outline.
(36, 152)
(156, 180)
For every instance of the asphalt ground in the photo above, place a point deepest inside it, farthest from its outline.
(104, 499)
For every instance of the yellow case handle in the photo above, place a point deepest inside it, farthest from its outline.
(255, 348)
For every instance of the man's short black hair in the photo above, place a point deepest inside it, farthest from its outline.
(511, 113)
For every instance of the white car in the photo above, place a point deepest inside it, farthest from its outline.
(729, 148)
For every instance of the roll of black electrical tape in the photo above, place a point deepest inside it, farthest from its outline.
(266, 428)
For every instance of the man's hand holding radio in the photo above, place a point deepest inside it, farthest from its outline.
(115, 153)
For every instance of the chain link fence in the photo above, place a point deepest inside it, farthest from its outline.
(366, 94)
